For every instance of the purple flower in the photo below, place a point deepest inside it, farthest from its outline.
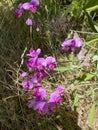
(29, 6)
(19, 10)
(60, 89)
(40, 67)
(34, 53)
(29, 22)
(55, 96)
(45, 107)
(36, 103)
(32, 5)
(31, 64)
(40, 93)
(35, 2)
(36, 78)
(40, 104)
(46, 63)
(70, 45)
(27, 85)
(78, 42)
(40, 62)
(50, 62)
(24, 74)
(30, 103)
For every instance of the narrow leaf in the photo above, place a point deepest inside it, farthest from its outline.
(92, 114)
(91, 22)
(61, 69)
(91, 40)
(76, 100)
(91, 5)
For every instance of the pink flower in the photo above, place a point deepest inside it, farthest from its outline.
(40, 104)
(27, 85)
(33, 53)
(24, 74)
(39, 93)
(35, 2)
(56, 95)
(78, 42)
(60, 89)
(31, 64)
(19, 10)
(70, 45)
(50, 62)
(55, 98)
(39, 68)
(32, 5)
(29, 22)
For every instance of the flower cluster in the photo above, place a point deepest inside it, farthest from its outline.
(38, 68)
(70, 45)
(41, 104)
(30, 6)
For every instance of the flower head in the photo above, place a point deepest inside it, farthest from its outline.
(39, 68)
(33, 53)
(60, 89)
(35, 2)
(70, 45)
(56, 95)
(31, 6)
(24, 74)
(29, 22)
(39, 93)
(19, 10)
(27, 85)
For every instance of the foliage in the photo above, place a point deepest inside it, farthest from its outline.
(77, 70)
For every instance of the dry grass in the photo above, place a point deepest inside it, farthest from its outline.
(14, 113)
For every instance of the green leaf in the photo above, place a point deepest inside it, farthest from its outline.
(62, 69)
(91, 41)
(89, 76)
(91, 5)
(95, 58)
(76, 100)
(96, 27)
(91, 22)
(92, 114)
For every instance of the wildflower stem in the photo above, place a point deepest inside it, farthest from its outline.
(31, 39)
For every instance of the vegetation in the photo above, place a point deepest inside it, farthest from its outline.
(77, 71)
